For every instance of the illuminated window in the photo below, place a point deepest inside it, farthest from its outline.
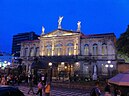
(86, 49)
(70, 49)
(95, 49)
(104, 49)
(31, 52)
(48, 50)
(58, 49)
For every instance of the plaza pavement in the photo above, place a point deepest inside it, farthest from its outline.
(56, 91)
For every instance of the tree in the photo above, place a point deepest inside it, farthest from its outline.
(122, 44)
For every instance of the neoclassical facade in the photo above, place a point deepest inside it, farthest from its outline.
(72, 51)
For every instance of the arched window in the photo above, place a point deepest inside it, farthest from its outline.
(58, 49)
(37, 51)
(25, 52)
(95, 49)
(104, 49)
(31, 52)
(48, 50)
(70, 49)
(86, 49)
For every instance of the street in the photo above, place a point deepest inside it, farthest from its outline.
(56, 92)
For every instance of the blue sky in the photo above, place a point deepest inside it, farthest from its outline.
(96, 16)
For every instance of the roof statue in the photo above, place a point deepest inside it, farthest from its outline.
(79, 26)
(59, 22)
(43, 29)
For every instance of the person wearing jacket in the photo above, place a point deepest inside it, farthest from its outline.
(47, 89)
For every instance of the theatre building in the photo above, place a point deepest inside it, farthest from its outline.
(72, 52)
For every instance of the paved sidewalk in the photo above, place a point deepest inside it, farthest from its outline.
(56, 92)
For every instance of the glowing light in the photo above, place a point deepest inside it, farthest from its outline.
(111, 66)
(106, 65)
(5, 61)
(65, 67)
(9, 63)
(77, 63)
(50, 64)
(62, 63)
(109, 61)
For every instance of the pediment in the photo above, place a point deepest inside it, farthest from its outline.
(60, 33)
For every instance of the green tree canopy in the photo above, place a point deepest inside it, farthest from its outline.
(122, 43)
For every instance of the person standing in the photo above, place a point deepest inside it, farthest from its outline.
(40, 86)
(47, 89)
(31, 85)
(42, 78)
(96, 90)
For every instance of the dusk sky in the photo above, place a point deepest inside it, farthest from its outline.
(96, 16)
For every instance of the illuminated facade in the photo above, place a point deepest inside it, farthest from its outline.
(73, 52)
(18, 38)
(60, 43)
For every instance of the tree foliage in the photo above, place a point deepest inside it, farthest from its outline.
(122, 43)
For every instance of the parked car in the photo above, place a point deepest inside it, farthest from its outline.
(10, 91)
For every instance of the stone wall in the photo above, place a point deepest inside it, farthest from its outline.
(123, 67)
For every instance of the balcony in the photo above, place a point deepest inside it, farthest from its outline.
(71, 58)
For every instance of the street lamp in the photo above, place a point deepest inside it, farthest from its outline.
(62, 63)
(50, 66)
(8, 63)
(8, 66)
(108, 61)
(108, 66)
(65, 67)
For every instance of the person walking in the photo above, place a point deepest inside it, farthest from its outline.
(31, 85)
(45, 78)
(96, 90)
(47, 89)
(40, 86)
(3, 80)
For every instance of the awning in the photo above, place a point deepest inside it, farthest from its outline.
(39, 65)
(121, 79)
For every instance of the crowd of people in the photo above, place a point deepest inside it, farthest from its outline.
(11, 79)
(96, 91)
(43, 85)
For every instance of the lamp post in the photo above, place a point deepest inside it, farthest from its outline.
(8, 64)
(70, 72)
(50, 66)
(109, 66)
